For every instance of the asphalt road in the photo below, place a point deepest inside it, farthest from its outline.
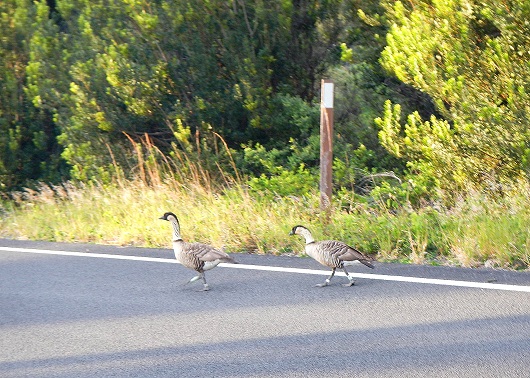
(74, 316)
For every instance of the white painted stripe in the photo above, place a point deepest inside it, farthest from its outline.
(383, 277)
(370, 276)
(87, 254)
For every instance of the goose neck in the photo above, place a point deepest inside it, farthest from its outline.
(176, 230)
(307, 236)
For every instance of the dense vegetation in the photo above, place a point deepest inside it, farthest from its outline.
(432, 105)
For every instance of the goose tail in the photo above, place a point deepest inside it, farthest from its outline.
(367, 263)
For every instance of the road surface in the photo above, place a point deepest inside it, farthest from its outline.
(79, 310)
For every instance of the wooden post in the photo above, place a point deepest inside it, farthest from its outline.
(326, 143)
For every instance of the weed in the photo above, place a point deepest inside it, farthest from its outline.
(217, 207)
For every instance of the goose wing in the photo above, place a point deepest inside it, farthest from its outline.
(206, 253)
(343, 252)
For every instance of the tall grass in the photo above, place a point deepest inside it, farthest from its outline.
(127, 215)
(215, 206)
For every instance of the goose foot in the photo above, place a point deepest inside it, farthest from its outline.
(326, 283)
(193, 279)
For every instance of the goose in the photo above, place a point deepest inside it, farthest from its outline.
(197, 256)
(332, 253)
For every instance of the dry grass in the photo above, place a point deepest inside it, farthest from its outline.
(216, 208)
(128, 215)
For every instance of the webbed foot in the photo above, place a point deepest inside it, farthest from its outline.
(192, 280)
(326, 283)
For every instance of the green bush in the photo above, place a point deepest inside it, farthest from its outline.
(283, 182)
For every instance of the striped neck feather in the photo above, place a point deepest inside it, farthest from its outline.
(176, 229)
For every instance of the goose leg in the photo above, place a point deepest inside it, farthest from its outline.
(205, 287)
(198, 277)
(193, 279)
(352, 281)
(328, 280)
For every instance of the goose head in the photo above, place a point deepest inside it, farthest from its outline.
(302, 231)
(167, 216)
(297, 230)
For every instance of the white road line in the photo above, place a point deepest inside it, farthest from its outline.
(433, 281)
